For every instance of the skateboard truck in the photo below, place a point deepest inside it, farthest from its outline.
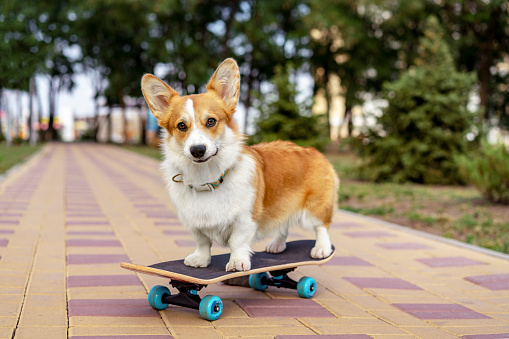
(211, 307)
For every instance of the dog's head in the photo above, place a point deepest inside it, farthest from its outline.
(199, 124)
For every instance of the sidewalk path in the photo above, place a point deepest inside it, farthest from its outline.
(73, 212)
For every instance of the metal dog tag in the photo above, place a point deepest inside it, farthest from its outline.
(203, 188)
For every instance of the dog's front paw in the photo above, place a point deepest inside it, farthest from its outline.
(321, 252)
(238, 264)
(197, 260)
(275, 246)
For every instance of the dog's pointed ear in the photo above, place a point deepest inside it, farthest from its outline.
(226, 83)
(157, 95)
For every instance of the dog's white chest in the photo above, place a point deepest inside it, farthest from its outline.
(220, 207)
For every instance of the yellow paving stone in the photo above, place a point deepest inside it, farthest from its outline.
(46, 300)
(43, 316)
(10, 309)
(399, 292)
(12, 290)
(194, 332)
(107, 289)
(41, 332)
(404, 299)
(8, 321)
(427, 332)
(102, 330)
(369, 302)
(344, 309)
(6, 332)
(263, 330)
(116, 321)
(468, 322)
(13, 280)
(181, 316)
(46, 287)
(399, 318)
(481, 306)
(473, 330)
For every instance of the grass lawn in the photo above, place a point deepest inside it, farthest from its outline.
(11, 155)
(458, 212)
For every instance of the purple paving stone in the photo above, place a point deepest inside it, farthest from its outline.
(102, 280)
(167, 223)
(160, 216)
(329, 336)
(176, 232)
(112, 311)
(4, 242)
(348, 261)
(389, 283)
(90, 233)
(487, 336)
(374, 234)
(160, 336)
(185, 243)
(440, 311)
(345, 225)
(283, 308)
(93, 243)
(110, 308)
(9, 222)
(73, 259)
(87, 222)
(84, 215)
(404, 246)
(6, 231)
(494, 282)
(108, 302)
(149, 206)
(449, 262)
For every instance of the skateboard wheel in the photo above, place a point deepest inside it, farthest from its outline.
(155, 297)
(306, 287)
(211, 307)
(256, 281)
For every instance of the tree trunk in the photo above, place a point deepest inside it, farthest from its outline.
(109, 125)
(1, 93)
(348, 120)
(31, 120)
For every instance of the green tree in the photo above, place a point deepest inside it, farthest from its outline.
(282, 118)
(426, 122)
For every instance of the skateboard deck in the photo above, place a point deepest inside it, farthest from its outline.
(297, 253)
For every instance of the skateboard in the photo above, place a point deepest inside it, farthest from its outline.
(189, 280)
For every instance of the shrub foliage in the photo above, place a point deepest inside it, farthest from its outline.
(488, 170)
(426, 120)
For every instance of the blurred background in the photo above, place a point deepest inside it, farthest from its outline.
(410, 91)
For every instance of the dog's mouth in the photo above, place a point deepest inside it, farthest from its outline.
(200, 161)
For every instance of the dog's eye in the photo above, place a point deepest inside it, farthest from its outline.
(182, 127)
(211, 122)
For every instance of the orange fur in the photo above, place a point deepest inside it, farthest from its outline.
(291, 178)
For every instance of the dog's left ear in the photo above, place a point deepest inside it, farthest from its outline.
(226, 83)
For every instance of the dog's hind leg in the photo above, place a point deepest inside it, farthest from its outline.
(323, 246)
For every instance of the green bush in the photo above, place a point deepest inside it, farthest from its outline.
(282, 118)
(488, 170)
(426, 121)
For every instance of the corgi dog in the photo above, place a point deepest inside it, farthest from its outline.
(230, 193)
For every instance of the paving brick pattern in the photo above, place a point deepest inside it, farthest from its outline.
(72, 213)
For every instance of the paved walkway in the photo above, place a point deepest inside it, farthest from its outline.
(73, 212)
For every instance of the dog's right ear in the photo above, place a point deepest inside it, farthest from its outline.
(157, 95)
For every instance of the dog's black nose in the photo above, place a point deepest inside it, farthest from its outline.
(198, 151)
